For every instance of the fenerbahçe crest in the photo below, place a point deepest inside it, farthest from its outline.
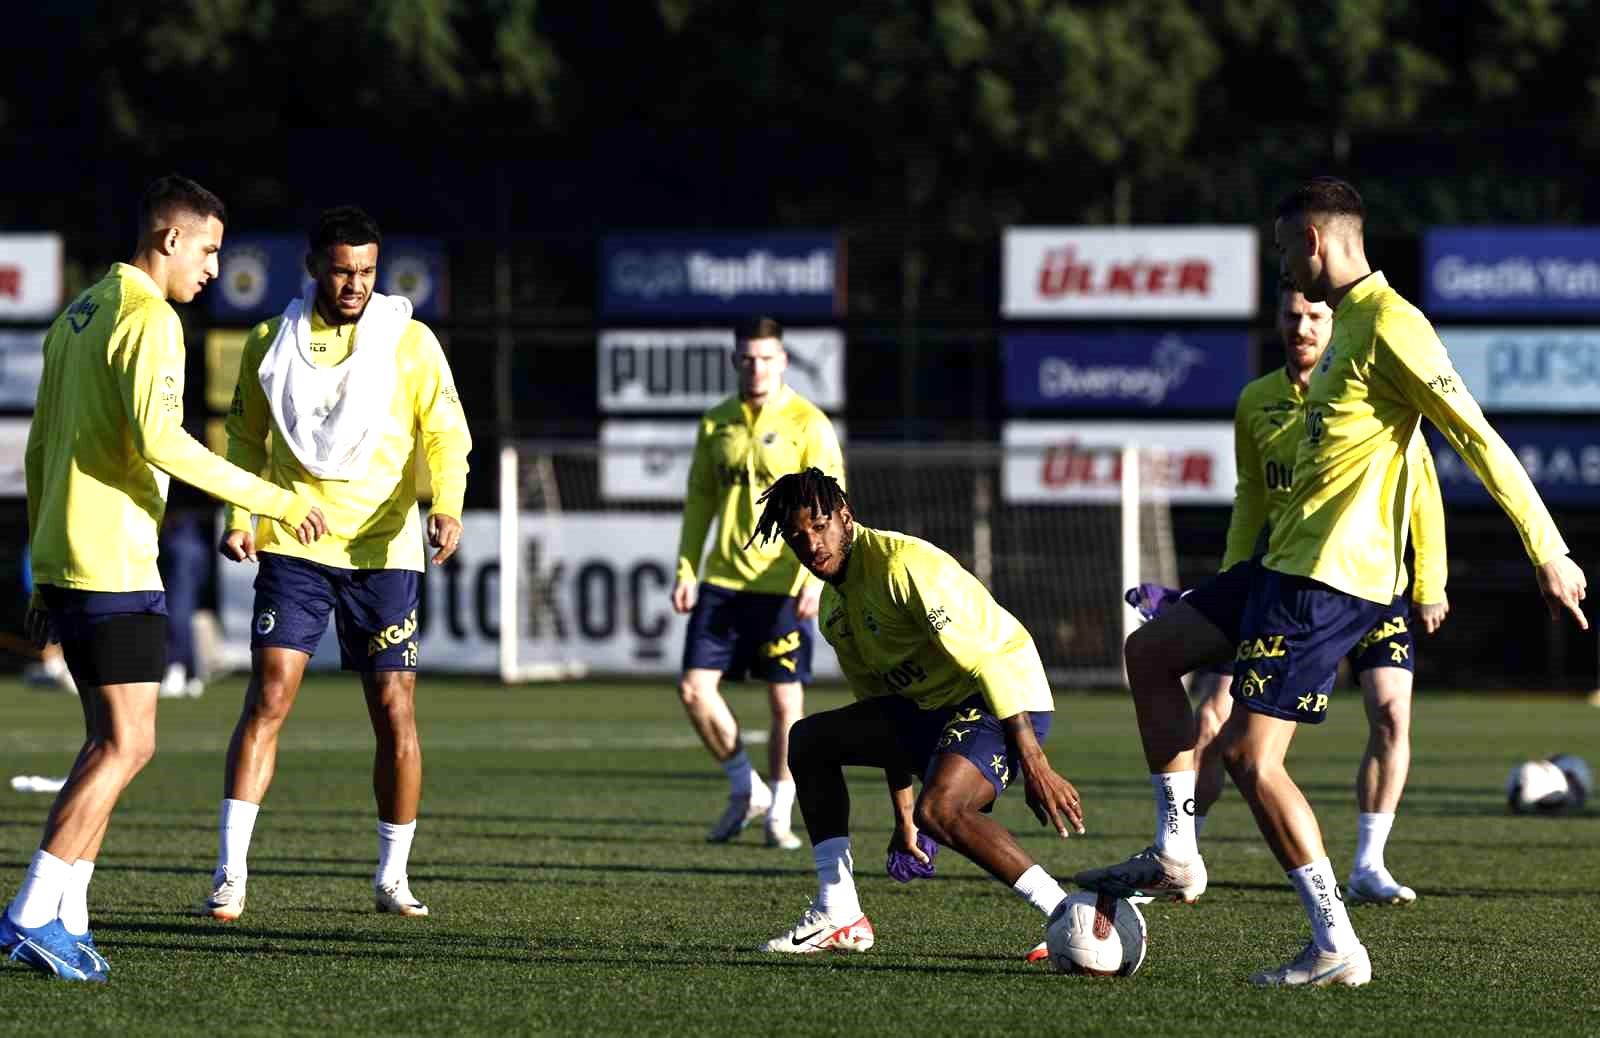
(392, 635)
(266, 620)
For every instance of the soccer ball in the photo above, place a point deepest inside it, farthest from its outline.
(1096, 934)
(1580, 780)
(1537, 785)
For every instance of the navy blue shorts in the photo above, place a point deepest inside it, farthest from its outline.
(375, 611)
(747, 632)
(967, 730)
(1290, 633)
(1388, 643)
(109, 637)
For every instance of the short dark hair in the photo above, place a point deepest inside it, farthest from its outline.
(166, 198)
(1323, 196)
(813, 489)
(343, 225)
(757, 328)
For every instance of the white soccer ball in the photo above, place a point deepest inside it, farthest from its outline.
(1537, 785)
(1096, 934)
(1580, 780)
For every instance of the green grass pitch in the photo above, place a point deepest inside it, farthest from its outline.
(561, 850)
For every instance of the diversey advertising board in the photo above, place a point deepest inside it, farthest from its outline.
(21, 365)
(691, 369)
(30, 277)
(701, 275)
(259, 273)
(1072, 463)
(595, 589)
(1562, 459)
(1528, 369)
(1511, 270)
(1158, 272)
(1126, 370)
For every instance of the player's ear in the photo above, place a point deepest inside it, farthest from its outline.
(170, 238)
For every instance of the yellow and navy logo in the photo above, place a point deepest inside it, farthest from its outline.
(1000, 767)
(1312, 702)
(1398, 653)
(392, 635)
(266, 620)
(1388, 629)
(1268, 648)
(1255, 684)
(953, 735)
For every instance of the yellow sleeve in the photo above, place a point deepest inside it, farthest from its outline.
(149, 368)
(1409, 354)
(1249, 492)
(699, 507)
(1427, 534)
(822, 450)
(962, 619)
(249, 420)
(445, 438)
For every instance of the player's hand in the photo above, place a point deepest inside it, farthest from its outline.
(683, 595)
(911, 855)
(238, 545)
(40, 631)
(1052, 799)
(809, 601)
(1432, 614)
(444, 533)
(313, 527)
(1562, 584)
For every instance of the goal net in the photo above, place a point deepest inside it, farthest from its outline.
(588, 536)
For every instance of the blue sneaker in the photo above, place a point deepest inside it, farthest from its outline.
(90, 959)
(48, 949)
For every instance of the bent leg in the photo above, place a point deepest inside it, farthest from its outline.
(275, 677)
(708, 712)
(863, 734)
(1216, 706)
(122, 742)
(1158, 655)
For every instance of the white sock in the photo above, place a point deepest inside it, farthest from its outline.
(1372, 832)
(39, 898)
(741, 775)
(74, 910)
(394, 847)
(1319, 893)
(236, 823)
(836, 882)
(778, 818)
(1039, 889)
(1174, 792)
(1199, 826)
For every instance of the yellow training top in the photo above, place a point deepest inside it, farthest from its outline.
(372, 521)
(1384, 370)
(908, 620)
(1268, 425)
(738, 454)
(107, 432)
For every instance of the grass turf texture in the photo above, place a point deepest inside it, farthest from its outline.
(561, 850)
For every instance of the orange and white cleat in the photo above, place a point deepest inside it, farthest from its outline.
(227, 899)
(1039, 953)
(816, 932)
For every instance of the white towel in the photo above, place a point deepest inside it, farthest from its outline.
(332, 418)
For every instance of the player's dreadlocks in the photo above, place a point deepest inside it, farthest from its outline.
(813, 489)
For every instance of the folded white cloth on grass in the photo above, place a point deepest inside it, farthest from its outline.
(36, 784)
(330, 417)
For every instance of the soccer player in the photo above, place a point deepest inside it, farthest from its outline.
(345, 385)
(752, 612)
(1331, 568)
(949, 688)
(1268, 427)
(107, 433)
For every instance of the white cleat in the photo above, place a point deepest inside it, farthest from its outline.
(737, 816)
(816, 932)
(395, 898)
(782, 837)
(1377, 888)
(1150, 875)
(1317, 968)
(227, 900)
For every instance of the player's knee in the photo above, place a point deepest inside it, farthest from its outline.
(805, 744)
(939, 814)
(1146, 654)
(691, 693)
(132, 750)
(1391, 723)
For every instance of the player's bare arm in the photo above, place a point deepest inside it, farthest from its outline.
(809, 601)
(1563, 586)
(1052, 798)
(444, 533)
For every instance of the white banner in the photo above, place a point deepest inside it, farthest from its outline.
(13, 451)
(1130, 272)
(21, 365)
(1528, 369)
(30, 276)
(689, 370)
(595, 589)
(645, 460)
(1081, 462)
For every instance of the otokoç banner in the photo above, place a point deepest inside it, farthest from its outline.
(1538, 271)
(1126, 370)
(698, 275)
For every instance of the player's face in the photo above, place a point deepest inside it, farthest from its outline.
(1305, 328)
(345, 275)
(820, 542)
(193, 261)
(761, 364)
(1297, 241)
